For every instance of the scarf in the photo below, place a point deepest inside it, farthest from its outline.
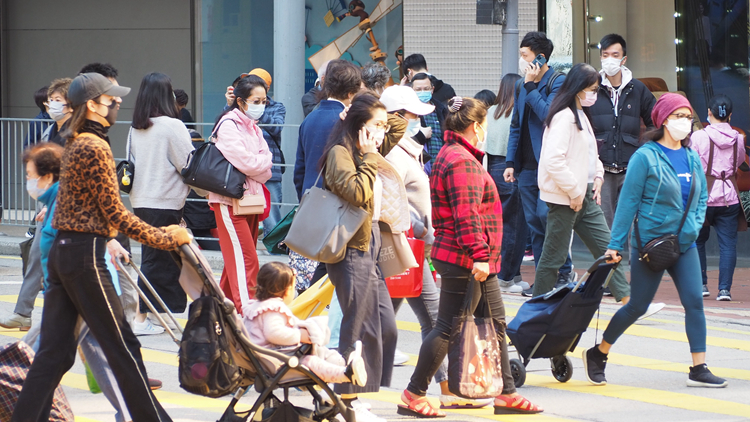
(90, 126)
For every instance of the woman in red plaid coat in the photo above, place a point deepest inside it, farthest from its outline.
(467, 217)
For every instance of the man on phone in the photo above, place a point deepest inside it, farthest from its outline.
(533, 96)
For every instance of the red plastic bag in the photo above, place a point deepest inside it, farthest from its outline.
(409, 283)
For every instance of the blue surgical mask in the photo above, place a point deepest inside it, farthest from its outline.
(413, 127)
(424, 96)
(32, 186)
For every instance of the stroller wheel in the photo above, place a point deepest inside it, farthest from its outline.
(562, 368)
(518, 371)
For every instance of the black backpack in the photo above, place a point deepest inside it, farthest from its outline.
(207, 366)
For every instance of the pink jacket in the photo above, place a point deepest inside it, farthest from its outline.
(243, 145)
(724, 138)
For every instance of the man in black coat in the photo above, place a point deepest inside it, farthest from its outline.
(415, 64)
(616, 118)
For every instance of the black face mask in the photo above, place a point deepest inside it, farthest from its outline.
(111, 116)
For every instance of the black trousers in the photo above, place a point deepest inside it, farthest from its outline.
(80, 284)
(158, 265)
(455, 281)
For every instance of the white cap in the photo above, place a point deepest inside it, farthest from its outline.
(399, 97)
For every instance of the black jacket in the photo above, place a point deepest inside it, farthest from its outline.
(310, 100)
(618, 138)
(442, 112)
(441, 91)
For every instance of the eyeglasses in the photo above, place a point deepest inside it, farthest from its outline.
(386, 127)
(683, 116)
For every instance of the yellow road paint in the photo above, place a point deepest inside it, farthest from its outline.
(645, 395)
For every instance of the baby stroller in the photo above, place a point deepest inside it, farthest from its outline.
(264, 369)
(550, 325)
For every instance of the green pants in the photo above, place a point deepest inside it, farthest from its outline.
(591, 227)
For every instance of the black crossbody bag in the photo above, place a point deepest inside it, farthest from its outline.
(664, 251)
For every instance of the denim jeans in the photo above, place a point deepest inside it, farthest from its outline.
(644, 283)
(435, 347)
(535, 210)
(275, 215)
(425, 307)
(515, 229)
(724, 220)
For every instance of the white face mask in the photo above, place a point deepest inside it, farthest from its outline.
(522, 65)
(377, 134)
(32, 186)
(481, 142)
(611, 66)
(412, 128)
(255, 111)
(679, 128)
(56, 110)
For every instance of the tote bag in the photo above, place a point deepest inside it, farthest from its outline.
(474, 352)
(396, 255)
(409, 282)
(323, 225)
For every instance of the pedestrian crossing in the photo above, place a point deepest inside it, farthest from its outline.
(734, 339)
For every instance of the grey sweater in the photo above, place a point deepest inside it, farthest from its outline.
(159, 153)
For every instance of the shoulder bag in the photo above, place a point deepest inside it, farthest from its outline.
(474, 351)
(126, 169)
(323, 225)
(664, 251)
(208, 169)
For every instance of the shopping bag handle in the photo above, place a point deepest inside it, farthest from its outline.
(470, 305)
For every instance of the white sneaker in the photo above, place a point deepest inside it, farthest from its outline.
(145, 328)
(363, 414)
(509, 287)
(652, 309)
(400, 358)
(155, 321)
(519, 282)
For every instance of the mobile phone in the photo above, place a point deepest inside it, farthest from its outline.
(540, 60)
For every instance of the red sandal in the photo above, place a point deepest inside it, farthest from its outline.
(516, 404)
(418, 407)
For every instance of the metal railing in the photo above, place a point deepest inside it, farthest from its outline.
(18, 208)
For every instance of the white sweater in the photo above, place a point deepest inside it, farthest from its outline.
(404, 157)
(565, 158)
(159, 153)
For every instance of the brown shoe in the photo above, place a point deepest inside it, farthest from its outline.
(154, 384)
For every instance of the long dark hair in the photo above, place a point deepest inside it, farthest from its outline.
(346, 132)
(155, 99)
(581, 76)
(506, 95)
(76, 121)
(243, 89)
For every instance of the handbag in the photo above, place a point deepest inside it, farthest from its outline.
(409, 282)
(208, 169)
(126, 169)
(474, 351)
(664, 251)
(274, 240)
(323, 225)
(396, 254)
(249, 204)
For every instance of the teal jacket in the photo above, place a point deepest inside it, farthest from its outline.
(652, 190)
(47, 232)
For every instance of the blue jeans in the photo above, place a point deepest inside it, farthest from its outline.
(535, 210)
(515, 229)
(724, 220)
(274, 187)
(643, 286)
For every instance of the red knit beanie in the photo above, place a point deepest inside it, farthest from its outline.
(666, 105)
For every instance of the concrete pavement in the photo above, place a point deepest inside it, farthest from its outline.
(646, 373)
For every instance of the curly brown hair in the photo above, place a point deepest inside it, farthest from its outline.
(47, 157)
(274, 278)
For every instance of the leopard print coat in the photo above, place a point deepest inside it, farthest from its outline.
(89, 201)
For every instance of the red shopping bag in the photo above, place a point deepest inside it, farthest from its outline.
(409, 283)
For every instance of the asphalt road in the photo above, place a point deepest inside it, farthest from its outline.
(647, 372)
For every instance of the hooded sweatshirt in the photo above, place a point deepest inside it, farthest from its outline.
(724, 138)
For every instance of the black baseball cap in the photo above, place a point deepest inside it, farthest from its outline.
(88, 86)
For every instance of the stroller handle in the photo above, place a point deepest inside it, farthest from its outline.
(599, 261)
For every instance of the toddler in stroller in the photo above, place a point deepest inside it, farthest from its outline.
(271, 324)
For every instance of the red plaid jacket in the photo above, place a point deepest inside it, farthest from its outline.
(466, 210)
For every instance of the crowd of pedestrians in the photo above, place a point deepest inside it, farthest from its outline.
(547, 155)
